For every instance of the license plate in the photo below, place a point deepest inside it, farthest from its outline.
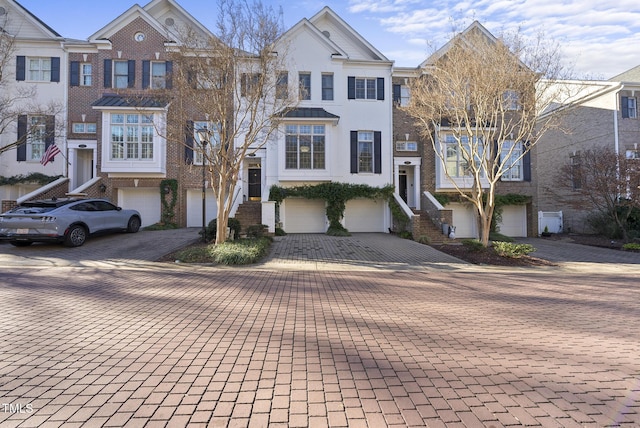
(22, 231)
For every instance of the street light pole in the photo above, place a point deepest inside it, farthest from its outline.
(202, 134)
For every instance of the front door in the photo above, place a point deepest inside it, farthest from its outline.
(255, 184)
(402, 186)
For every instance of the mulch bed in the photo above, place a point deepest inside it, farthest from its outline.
(488, 256)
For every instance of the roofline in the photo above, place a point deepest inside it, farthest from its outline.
(41, 22)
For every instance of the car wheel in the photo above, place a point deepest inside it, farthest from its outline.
(21, 243)
(134, 224)
(76, 236)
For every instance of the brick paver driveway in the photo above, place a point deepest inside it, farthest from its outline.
(137, 346)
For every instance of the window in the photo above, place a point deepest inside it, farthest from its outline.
(365, 88)
(629, 107)
(327, 87)
(214, 140)
(158, 75)
(401, 95)
(282, 86)
(365, 151)
(36, 142)
(305, 86)
(39, 69)
(250, 85)
(120, 74)
(511, 100)
(406, 146)
(131, 136)
(305, 147)
(632, 154)
(85, 74)
(513, 162)
(84, 128)
(458, 153)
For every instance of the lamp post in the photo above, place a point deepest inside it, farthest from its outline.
(203, 136)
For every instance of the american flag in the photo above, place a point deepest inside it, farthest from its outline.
(49, 154)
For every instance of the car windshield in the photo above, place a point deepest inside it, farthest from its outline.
(31, 210)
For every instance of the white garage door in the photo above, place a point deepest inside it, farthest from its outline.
(464, 220)
(514, 221)
(194, 207)
(145, 200)
(364, 215)
(303, 216)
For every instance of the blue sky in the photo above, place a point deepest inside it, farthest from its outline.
(599, 38)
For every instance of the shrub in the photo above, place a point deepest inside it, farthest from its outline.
(240, 252)
(631, 246)
(424, 239)
(338, 231)
(512, 250)
(495, 236)
(211, 229)
(256, 230)
(280, 231)
(472, 244)
(405, 234)
(162, 226)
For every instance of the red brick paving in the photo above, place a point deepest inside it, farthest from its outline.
(467, 348)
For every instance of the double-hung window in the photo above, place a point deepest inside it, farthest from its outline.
(511, 100)
(85, 74)
(305, 147)
(365, 151)
(305, 86)
(158, 75)
(282, 85)
(201, 147)
(511, 158)
(131, 136)
(120, 74)
(39, 69)
(460, 156)
(327, 86)
(365, 89)
(629, 107)
(37, 128)
(84, 128)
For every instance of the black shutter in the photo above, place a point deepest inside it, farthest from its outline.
(50, 131)
(146, 74)
(526, 163)
(354, 152)
(131, 78)
(21, 149)
(188, 149)
(397, 94)
(169, 76)
(107, 73)
(351, 87)
(74, 73)
(380, 88)
(20, 68)
(625, 107)
(377, 152)
(55, 69)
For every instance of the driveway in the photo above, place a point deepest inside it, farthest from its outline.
(117, 249)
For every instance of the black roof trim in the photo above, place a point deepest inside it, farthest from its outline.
(309, 113)
(113, 100)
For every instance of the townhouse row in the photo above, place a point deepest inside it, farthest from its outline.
(348, 127)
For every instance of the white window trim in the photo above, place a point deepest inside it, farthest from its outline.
(312, 148)
(516, 153)
(40, 70)
(197, 149)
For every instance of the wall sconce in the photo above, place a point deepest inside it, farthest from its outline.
(103, 188)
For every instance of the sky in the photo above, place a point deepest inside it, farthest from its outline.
(599, 39)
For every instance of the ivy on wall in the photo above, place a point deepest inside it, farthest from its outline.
(335, 195)
(33, 178)
(169, 198)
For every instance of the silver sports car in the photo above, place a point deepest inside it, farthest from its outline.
(69, 221)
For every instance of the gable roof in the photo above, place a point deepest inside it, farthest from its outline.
(33, 19)
(338, 36)
(631, 75)
(475, 26)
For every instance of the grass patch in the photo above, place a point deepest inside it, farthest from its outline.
(631, 246)
(161, 226)
(495, 236)
(239, 252)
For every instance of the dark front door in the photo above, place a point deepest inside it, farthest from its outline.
(255, 184)
(402, 186)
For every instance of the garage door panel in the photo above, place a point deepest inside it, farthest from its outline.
(304, 216)
(514, 221)
(194, 207)
(145, 200)
(464, 220)
(364, 215)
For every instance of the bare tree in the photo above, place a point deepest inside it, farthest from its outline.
(18, 99)
(478, 102)
(233, 81)
(610, 182)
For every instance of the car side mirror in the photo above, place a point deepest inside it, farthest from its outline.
(119, 208)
